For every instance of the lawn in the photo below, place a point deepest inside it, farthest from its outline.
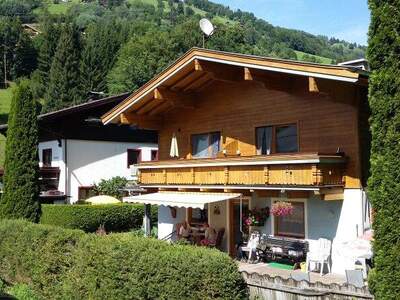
(324, 60)
(5, 102)
(59, 8)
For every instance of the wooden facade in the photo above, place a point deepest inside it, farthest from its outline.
(208, 91)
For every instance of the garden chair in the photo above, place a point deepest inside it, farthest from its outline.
(251, 246)
(355, 277)
(218, 240)
(320, 255)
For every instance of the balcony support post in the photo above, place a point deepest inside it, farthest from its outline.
(193, 173)
(266, 174)
(317, 175)
(147, 220)
(226, 175)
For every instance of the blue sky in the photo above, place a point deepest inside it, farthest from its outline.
(344, 19)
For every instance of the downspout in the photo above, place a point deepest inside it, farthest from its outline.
(65, 168)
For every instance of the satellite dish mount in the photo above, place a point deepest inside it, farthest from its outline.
(207, 28)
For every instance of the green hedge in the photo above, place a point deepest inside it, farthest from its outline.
(115, 217)
(58, 263)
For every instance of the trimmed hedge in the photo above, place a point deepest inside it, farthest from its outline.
(384, 182)
(59, 263)
(115, 217)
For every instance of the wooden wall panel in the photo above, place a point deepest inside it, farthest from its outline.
(325, 125)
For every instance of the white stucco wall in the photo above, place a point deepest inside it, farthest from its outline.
(219, 221)
(166, 223)
(88, 162)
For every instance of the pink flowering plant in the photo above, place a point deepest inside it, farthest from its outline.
(256, 217)
(281, 208)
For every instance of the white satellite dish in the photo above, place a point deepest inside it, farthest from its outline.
(206, 26)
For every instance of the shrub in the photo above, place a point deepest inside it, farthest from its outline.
(384, 182)
(59, 263)
(114, 217)
(111, 187)
(22, 292)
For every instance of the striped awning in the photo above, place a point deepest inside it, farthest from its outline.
(181, 199)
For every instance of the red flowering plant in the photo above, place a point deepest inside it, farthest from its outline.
(281, 209)
(256, 217)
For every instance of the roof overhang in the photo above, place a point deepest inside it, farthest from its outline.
(181, 199)
(276, 66)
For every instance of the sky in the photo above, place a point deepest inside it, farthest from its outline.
(343, 19)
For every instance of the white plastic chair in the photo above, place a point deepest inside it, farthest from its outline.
(320, 254)
(251, 245)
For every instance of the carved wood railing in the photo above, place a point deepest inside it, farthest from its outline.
(274, 170)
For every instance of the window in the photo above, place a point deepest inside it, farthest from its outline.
(286, 139)
(154, 155)
(197, 215)
(205, 145)
(276, 139)
(293, 225)
(47, 157)
(133, 157)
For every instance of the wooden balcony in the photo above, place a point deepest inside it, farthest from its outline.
(300, 170)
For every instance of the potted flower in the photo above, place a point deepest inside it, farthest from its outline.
(282, 208)
(256, 217)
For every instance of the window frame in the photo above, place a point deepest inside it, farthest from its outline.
(139, 158)
(209, 148)
(274, 220)
(47, 150)
(274, 129)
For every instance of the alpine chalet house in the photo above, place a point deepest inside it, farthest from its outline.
(77, 151)
(240, 133)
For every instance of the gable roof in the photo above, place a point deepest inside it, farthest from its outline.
(82, 122)
(184, 66)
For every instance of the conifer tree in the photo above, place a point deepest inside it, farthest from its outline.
(21, 190)
(49, 37)
(384, 182)
(102, 42)
(64, 80)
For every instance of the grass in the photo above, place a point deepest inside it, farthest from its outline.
(5, 103)
(58, 8)
(198, 11)
(324, 60)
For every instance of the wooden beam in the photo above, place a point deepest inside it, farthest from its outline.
(219, 72)
(174, 99)
(144, 122)
(312, 85)
(249, 75)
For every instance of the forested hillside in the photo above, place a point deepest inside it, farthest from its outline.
(100, 47)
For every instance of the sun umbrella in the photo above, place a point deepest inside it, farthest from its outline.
(174, 147)
(102, 199)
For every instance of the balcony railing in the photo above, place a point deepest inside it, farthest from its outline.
(273, 170)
